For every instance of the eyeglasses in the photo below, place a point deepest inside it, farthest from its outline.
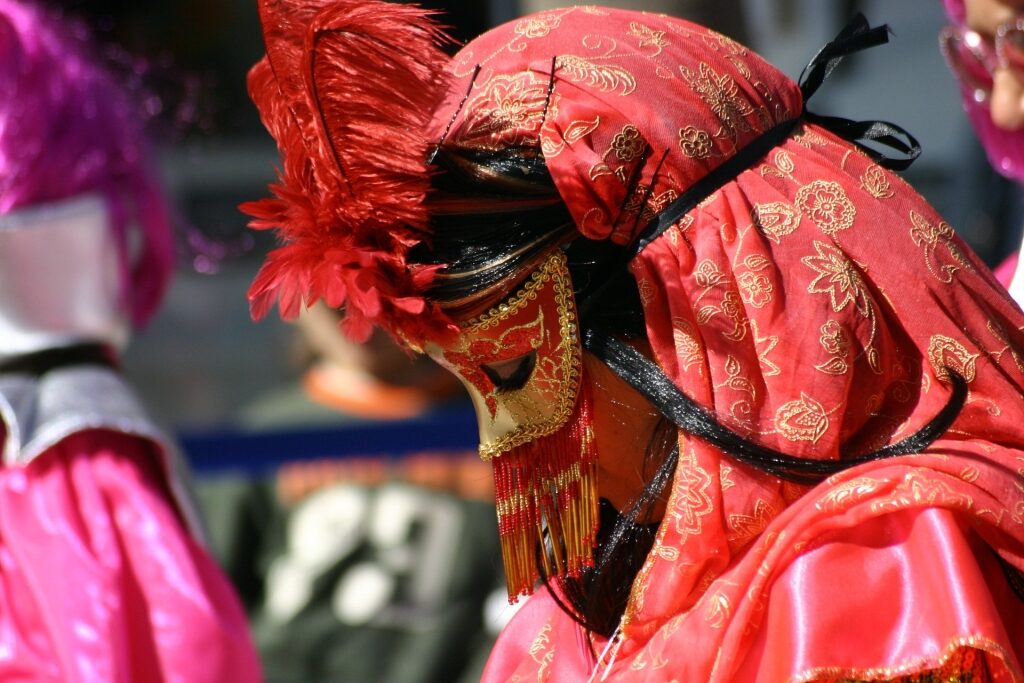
(974, 57)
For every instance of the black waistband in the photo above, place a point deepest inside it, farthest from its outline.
(41, 362)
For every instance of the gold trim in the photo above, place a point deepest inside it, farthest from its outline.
(556, 271)
(917, 666)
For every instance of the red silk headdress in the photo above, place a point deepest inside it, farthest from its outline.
(347, 89)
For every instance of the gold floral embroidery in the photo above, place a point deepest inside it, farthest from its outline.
(875, 182)
(509, 110)
(784, 162)
(802, 420)
(783, 167)
(718, 610)
(648, 37)
(970, 474)
(833, 339)
(538, 25)
(725, 478)
(1000, 333)
(746, 527)
(628, 145)
(709, 274)
(764, 346)
(688, 348)
(826, 204)
(841, 280)
(574, 132)
(775, 220)
(606, 77)
(695, 143)
(542, 651)
(646, 290)
(930, 236)
(961, 661)
(721, 93)
(693, 502)
(847, 494)
(946, 354)
(735, 378)
(755, 289)
(648, 205)
(916, 491)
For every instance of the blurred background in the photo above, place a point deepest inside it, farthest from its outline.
(347, 504)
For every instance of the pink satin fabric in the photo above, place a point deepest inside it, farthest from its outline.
(99, 579)
(816, 598)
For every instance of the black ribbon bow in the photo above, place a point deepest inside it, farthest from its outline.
(856, 36)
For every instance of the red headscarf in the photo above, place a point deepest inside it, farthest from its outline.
(814, 304)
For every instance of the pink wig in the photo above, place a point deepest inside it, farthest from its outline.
(1005, 148)
(67, 128)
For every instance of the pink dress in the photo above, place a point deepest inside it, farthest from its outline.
(101, 577)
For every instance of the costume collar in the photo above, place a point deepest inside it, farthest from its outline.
(60, 277)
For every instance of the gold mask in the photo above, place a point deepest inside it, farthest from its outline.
(521, 361)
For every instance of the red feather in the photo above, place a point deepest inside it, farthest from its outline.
(347, 90)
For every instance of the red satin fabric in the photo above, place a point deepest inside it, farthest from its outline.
(816, 304)
(100, 581)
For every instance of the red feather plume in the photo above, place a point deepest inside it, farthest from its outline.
(347, 90)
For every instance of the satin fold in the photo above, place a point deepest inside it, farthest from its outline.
(100, 580)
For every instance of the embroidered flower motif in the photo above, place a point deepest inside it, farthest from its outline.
(648, 36)
(628, 145)
(839, 278)
(746, 527)
(605, 77)
(825, 202)
(834, 340)
(802, 420)
(695, 143)
(875, 182)
(847, 495)
(930, 236)
(764, 346)
(509, 110)
(646, 291)
(755, 289)
(722, 95)
(775, 220)
(688, 348)
(709, 274)
(538, 25)
(693, 501)
(947, 354)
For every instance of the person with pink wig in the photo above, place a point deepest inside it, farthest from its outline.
(102, 575)
(984, 47)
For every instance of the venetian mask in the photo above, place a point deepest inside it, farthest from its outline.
(521, 361)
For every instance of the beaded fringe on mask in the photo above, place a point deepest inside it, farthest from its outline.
(546, 493)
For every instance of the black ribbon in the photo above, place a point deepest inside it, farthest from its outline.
(856, 36)
(39, 363)
(646, 377)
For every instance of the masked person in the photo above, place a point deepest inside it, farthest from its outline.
(668, 286)
(102, 576)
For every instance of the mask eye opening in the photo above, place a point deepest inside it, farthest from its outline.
(511, 374)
